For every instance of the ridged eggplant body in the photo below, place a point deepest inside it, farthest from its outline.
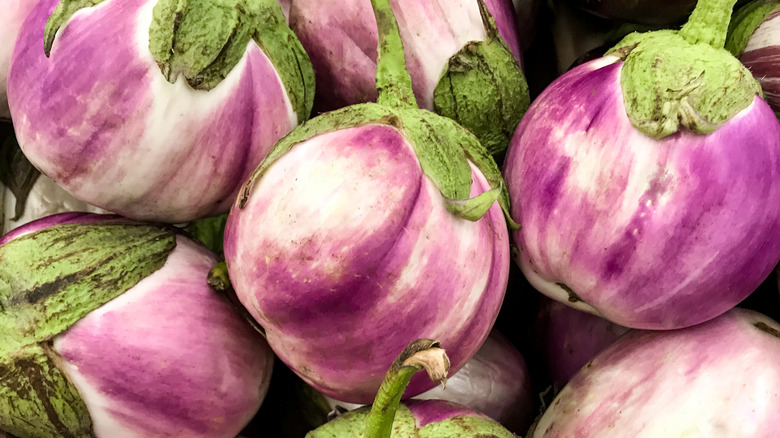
(345, 252)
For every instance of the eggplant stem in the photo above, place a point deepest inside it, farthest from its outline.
(393, 83)
(709, 23)
(420, 354)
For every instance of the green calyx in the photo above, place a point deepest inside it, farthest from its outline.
(745, 21)
(443, 148)
(684, 79)
(203, 40)
(49, 280)
(483, 88)
(59, 16)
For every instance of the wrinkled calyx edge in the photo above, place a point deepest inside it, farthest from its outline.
(483, 88)
(203, 40)
(684, 79)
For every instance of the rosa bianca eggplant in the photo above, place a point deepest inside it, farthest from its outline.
(463, 57)
(109, 329)
(14, 13)
(388, 418)
(568, 339)
(652, 12)
(176, 106)
(368, 227)
(754, 37)
(494, 382)
(647, 182)
(717, 379)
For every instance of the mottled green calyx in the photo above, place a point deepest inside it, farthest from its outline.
(59, 16)
(203, 40)
(483, 88)
(443, 147)
(745, 21)
(48, 281)
(210, 232)
(684, 79)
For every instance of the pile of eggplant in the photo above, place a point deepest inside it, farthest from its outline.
(267, 218)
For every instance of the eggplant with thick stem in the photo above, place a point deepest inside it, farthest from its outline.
(367, 227)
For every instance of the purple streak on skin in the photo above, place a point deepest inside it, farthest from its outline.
(323, 293)
(652, 234)
(14, 14)
(504, 14)
(56, 219)
(341, 42)
(92, 126)
(175, 359)
(434, 411)
(719, 378)
(569, 338)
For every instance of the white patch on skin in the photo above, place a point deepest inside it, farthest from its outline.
(457, 22)
(174, 108)
(45, 198)
(767, 34)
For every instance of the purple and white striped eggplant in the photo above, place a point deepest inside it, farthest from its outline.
(110, 329)
(177, 103)
(368, 227)
(717, 379)
(647, 182)
(388, 418)
(494, 382)
(568, 339)
(463, 56)
(14, 13)
(754, 37)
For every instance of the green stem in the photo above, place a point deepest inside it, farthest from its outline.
(709, 23)
(420, 354)
(393, 83)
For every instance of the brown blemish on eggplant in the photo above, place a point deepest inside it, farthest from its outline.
(767, 328)
(573, 297)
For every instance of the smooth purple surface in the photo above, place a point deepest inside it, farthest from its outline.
(762, 57)
(434, 411)
(169, 357)
(341, 39)
(569, 338)
(654, 234)
(717, 379)
(113, 132)
(345, 253)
